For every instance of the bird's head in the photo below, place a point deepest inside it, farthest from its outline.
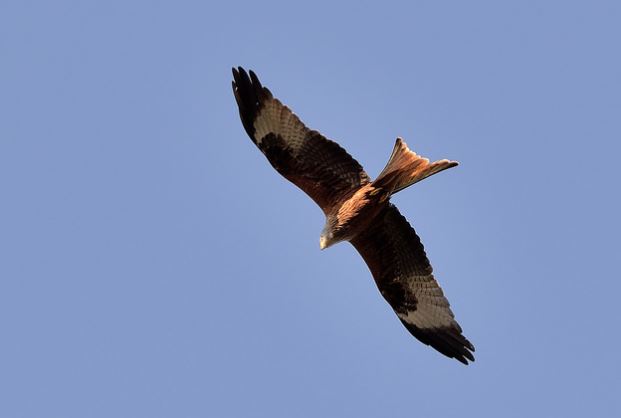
(326, 239)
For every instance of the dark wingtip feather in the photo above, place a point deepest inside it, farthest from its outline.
(448, 341)
(255, 80)
(247, 91)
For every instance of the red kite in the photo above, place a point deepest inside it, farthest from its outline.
(358, 210)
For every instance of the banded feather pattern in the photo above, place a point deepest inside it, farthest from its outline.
(358, 210)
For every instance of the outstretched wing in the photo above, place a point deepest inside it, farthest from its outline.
(403, 274)
(320, 167)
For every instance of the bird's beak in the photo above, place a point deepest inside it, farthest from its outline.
(323, 242)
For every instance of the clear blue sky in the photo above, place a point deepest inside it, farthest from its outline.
(153, 264)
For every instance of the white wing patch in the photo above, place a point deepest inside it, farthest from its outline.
(428, 316)
(432, 308)
(276, 118)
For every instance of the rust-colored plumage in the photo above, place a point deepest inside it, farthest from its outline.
(358, 210)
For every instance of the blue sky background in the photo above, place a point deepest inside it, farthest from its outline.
(153, 264)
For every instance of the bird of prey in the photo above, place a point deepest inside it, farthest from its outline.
(358, 210)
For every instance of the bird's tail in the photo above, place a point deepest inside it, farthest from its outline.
(405, 168)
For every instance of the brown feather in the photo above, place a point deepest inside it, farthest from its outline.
(405, 167)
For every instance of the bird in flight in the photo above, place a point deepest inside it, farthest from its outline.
(358, 210)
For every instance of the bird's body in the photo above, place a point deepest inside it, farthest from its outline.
(353, 215)
(358, 210)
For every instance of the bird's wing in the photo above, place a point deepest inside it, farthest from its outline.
(403, 274)
(320, 167)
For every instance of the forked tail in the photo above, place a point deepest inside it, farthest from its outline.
(405, 168)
